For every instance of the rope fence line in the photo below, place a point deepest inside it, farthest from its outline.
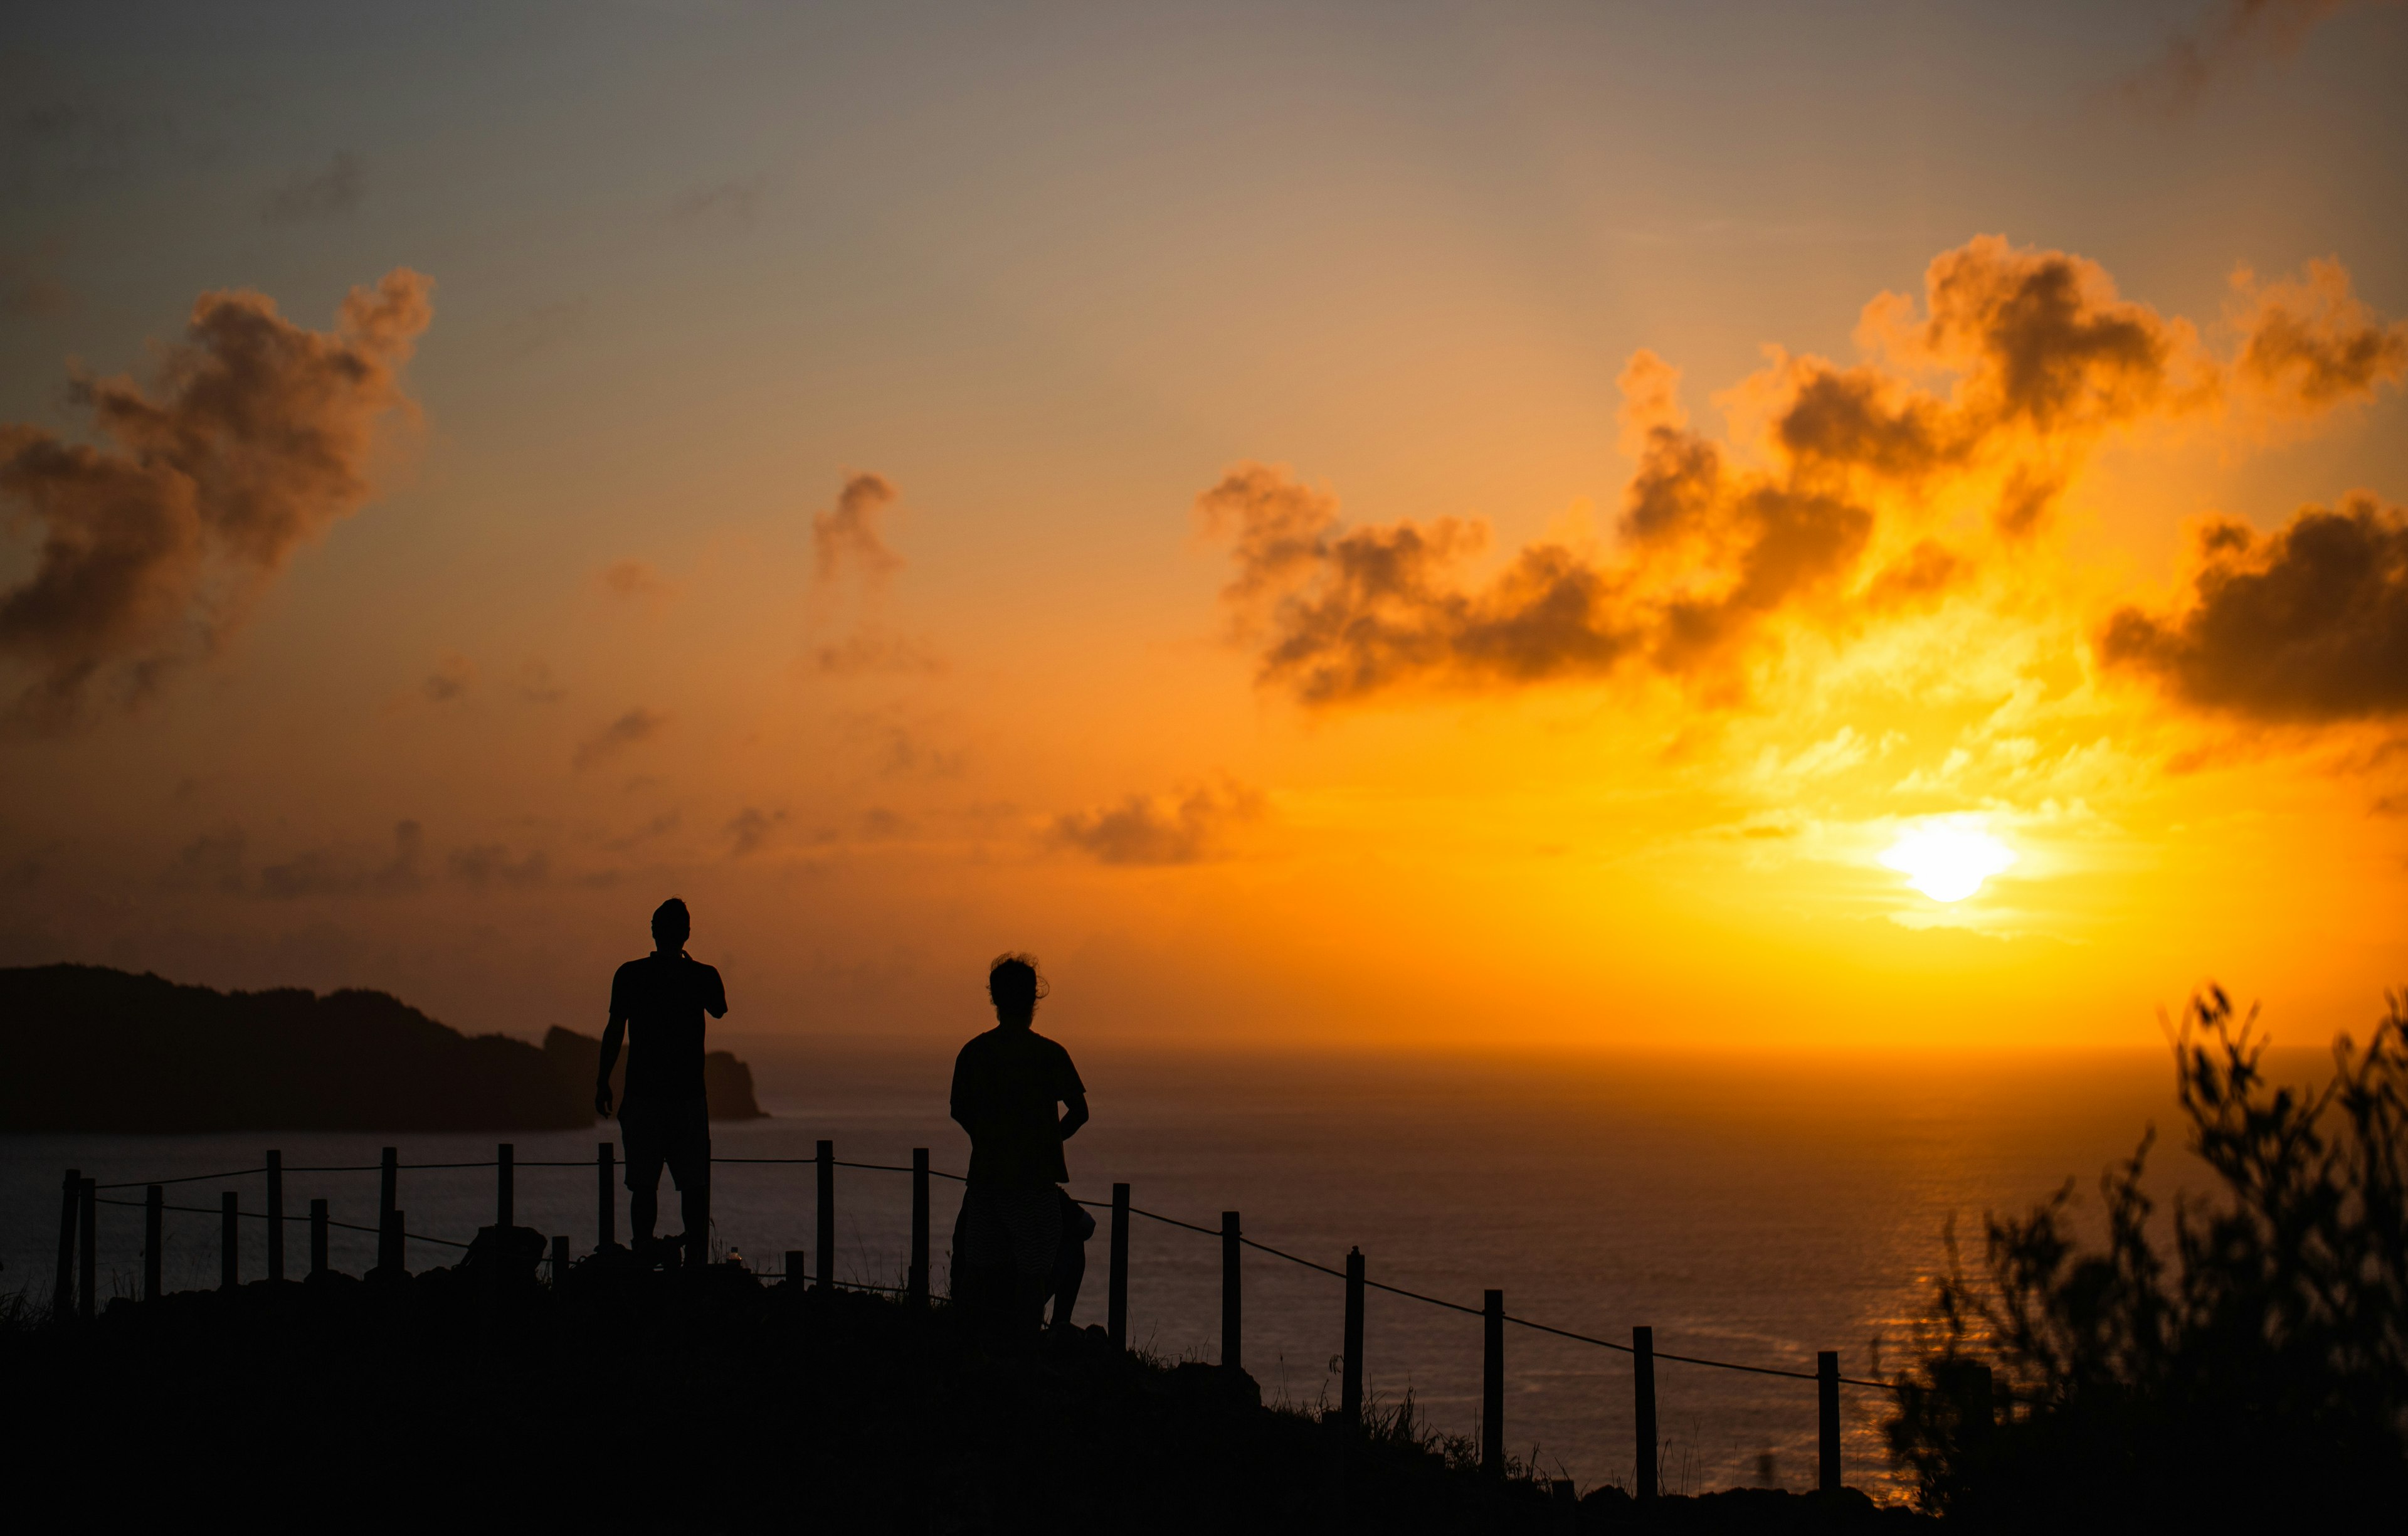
(262, 1215)
(1234, 1242)
(941, 1174)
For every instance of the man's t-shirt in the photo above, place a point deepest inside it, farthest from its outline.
(1009, 1084)
(663, 999)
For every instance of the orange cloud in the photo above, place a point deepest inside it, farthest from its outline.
(155, 543)
(2228, 41)
(1187, 828)
(2311, 344)
(638, 725)
(848, 534)
(451, 679)
(2309, 623)
(1840, 497)
(634, 580)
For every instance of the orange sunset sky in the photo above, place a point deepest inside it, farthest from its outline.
(1521, 525)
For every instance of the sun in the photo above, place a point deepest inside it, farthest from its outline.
(1947, 863)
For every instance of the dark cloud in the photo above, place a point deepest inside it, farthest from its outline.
(1919, 579)
(2312, 344)
(2306, 625)
(665, 822)
(211, 862)
(848, 534)
(155, 542)
(310, 197)
(904, 754)
(636, 726)
(65, 145)
(730, 203)
(325, 872)
(1351, 611)
(2040, 337)
(634, 580)
(451, 679)
(2026, 502)
(30, 286)
(748, 830)
(547, 325)
(870, 650)
(488, 865)
(1862, 419)
(537, 684)
(2229, 37)
(1189, 827)
(1342, 613)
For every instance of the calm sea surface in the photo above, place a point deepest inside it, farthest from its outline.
(1747, 1211)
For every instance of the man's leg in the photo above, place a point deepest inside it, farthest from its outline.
(1069, 1272)
(691, 1168)
(643, 1150)
(1033, 1220)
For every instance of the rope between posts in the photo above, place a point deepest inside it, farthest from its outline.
(262, 1215)
(189, 1177)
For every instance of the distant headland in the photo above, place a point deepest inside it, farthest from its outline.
(89, 1048)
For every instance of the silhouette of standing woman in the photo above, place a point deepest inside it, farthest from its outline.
(665, 1119)
(1020, 1098)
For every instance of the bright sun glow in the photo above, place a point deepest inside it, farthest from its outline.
(1947, 863)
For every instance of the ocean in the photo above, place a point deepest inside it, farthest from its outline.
(1746, 1210)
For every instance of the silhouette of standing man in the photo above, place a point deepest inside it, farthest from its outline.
(666, 1119)
(1020, 1098)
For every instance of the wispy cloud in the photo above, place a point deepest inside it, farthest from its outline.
(157, 538)
(729, 204)
(329, 193)
(1189, 826)
(451, 679)
(2229, 38)
(632, 730)
(320, 871)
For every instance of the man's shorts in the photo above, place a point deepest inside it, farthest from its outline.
(1019, 1230)
(677, 1134)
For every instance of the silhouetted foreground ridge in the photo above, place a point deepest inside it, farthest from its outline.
(710, 1400)
(89, 1048)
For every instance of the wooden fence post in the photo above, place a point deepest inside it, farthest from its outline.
(605, 1223)
(229, 1241)
(916, 1283)
(826, 1222)
(1827, 1392)
(154, 1234)
(1492, 1383)
(797, 1267)
(88, 1283)
(70, 1196)
(1350, 1381)
(400, 1258)
(506, 1194)
(1233, 1319)
(388, 1201)
(559, 1259)
(275, 1214)
(1643, 1379)
(318, 1235)
(1116, 1274)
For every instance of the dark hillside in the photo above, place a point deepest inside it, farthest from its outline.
(89, 1048)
